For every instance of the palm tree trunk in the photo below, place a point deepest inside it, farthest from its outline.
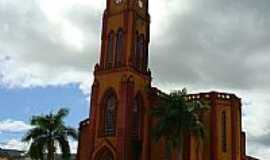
(51, 150)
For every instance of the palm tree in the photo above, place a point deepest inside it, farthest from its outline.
(176, 118)
(47, 133)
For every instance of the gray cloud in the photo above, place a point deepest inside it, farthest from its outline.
(47, 50)
(29, 32)
(216, 43)
(263, 139)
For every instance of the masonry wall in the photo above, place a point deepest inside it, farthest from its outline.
(213, 143)
(85, 144)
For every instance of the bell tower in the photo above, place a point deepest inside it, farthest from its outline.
(117, 128)
(125, 35)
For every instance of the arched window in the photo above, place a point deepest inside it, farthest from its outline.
(109, 115)
(224, 131)
(109, 56)
(136, 118)
(119, 48)
(140, 52)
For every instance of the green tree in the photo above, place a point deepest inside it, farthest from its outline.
(175, 118)
(48, 132)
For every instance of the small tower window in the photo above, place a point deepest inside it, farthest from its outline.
(224, 131)
(109, 115)
(141, 52)
(145, 57)
(137, 52)
(119, 48)
(136, 117)
(109, 57)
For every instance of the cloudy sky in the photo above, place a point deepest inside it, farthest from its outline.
(48, 49)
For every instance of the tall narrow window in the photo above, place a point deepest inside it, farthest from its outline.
(109, 56)
(110, 115)
(141, 52)
(224, 132)
(145, 65)
(137, 52)
(119, 48)
(136, 117)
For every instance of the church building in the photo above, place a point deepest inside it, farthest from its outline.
(122, 95)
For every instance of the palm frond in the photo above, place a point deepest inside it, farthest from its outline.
(60, 115)
(72, 132)
(34, 133)
(47, 129)
(40, 121)
(175, 117)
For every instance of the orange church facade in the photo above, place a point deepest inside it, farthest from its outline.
(119, 125)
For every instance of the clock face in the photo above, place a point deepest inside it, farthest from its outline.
(140, 3)
(118, 1)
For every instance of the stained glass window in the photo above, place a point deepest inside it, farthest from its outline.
(109, 115)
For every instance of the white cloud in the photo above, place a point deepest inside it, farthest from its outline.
(22, 146)
(259, 151)
(10, 126)
(14, 144)
(46, 49)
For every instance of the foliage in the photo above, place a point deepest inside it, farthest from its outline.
(47, 133)
(175, 117)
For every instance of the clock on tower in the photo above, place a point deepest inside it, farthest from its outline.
(118, 1)
(140, 3)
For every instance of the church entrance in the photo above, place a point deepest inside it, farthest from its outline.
(106, 155)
